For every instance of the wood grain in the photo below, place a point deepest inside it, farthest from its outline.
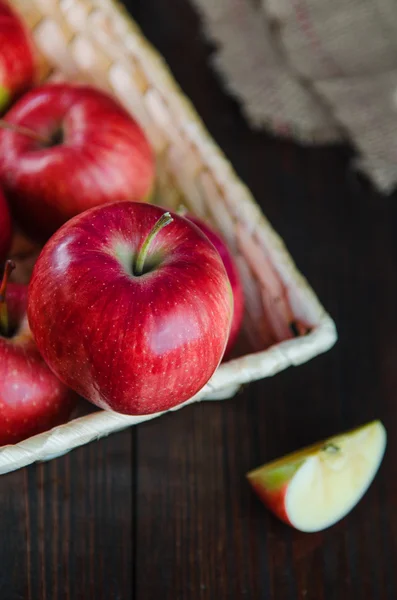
(67, 526)
(164, 511)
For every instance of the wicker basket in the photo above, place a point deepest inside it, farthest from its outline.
(95, 41)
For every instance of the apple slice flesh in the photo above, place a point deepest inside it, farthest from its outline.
(315, 487)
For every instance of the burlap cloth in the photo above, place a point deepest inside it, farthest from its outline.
(318, 71)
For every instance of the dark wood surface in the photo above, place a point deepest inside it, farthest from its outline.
(163, 510)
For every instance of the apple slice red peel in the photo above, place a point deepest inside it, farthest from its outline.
(313, 488)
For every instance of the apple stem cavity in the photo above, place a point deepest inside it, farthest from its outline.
(163, 221)
(25, 131)
(4, 324)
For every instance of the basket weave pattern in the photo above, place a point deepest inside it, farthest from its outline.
(96, 42)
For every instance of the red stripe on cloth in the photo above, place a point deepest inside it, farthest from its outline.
(304, 19)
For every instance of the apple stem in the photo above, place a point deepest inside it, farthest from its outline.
(163, 221)
(25, 131)
(4, 324)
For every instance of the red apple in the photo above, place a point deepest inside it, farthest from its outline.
(17, 63)
(130, 313)
(5, 228)
(70, 148)
(315, 487)
(32, 399)
(234, 278)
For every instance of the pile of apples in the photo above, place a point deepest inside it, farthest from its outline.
(128, 306)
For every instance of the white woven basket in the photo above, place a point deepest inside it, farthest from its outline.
(95, 41)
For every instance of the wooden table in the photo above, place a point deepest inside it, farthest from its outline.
(163, 511)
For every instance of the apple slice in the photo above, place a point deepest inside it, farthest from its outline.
(313, 488)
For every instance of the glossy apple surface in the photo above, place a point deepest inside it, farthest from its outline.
(5, 229)
(17, 64)
(89, 152)
(234, 278)
(32, 399)
(134, 343)
(315, 487)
